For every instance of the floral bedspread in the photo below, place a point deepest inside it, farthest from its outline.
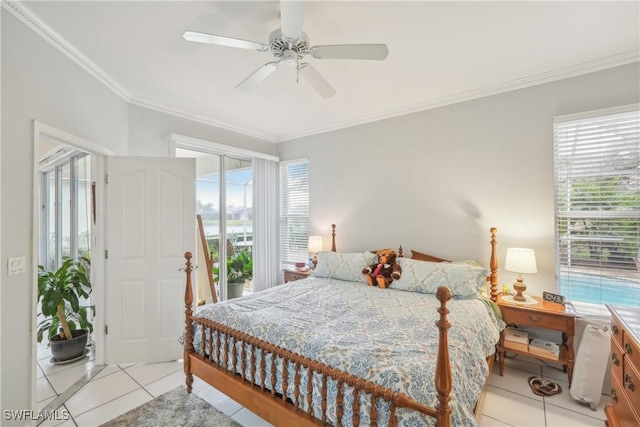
(383, 335)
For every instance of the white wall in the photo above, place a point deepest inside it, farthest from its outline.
(40, 83)
(149, 133)
(37, 83)
(437, 180)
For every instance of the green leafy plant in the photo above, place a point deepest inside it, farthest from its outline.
(239, 267)
(59, 293)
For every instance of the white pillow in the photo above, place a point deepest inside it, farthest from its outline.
(344, 265)
(464, 280)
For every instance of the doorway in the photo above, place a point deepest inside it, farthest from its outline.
(66, 218)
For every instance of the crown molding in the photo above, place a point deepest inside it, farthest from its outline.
(23, 13)
(33, 22)
(537, 79)
(41, 28)
(200, 119)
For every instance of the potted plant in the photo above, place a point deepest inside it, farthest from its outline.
(239, 270)
(67, 323)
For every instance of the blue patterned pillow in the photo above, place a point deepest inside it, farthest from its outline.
(464, 280)
(344, 265)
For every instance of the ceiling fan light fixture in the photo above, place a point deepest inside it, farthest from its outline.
(289, 57)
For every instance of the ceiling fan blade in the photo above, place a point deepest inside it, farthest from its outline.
(316, 81)
(292, 17)
(192, 36)
(350, 51)
(259, 75)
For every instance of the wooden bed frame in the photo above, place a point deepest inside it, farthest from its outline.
(276, 408)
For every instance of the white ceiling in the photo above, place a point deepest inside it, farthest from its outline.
(439, 53)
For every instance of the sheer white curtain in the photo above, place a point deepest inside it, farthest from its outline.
(265, 224)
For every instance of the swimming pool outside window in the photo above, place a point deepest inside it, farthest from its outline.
(597, 191)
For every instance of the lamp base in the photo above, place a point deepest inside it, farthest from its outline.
(519, 287)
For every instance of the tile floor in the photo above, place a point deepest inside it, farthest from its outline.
(119, 388)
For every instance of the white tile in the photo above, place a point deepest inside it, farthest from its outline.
(564, 400)
(39, 373)
(113, 409)
(64, 379)
(249, 419)
(145, 373)
(522, 363)
(108, 370)
(45, 402)
(43, 351)
(198, 385)
(44, 389)
(99, 392)
(559, 417)
(49, 368)
(166, 384)
(516, 380)
(58, 417)
(485, 421)
(219, 400)
(512, 408)
(554, 372)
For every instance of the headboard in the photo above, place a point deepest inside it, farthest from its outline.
(492, 278)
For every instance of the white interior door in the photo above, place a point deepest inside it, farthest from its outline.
(150, 207)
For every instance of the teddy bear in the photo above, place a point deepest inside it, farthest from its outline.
(384, 271)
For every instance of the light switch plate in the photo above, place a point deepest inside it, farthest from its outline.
(15, 265)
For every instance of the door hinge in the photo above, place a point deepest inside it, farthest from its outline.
(106, 254)
(106, 329)
(106, 178)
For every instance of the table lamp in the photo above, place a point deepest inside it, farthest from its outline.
(520, 260)
(315, 246)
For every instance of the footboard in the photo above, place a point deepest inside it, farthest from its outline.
(287, 388)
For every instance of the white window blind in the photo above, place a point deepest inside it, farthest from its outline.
(294, 211)
(597, 190)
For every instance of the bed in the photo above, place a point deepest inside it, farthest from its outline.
(331, 350)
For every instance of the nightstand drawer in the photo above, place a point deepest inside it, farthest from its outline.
(538, 319)
(293, 275)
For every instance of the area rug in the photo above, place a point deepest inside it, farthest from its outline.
(174, 408)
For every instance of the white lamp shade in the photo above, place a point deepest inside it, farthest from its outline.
(520, 260)
(315, 244)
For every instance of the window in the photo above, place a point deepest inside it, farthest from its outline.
(294, 211)
(65, 204)
(597, 190)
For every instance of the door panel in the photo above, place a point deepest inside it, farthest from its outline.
(150, 225)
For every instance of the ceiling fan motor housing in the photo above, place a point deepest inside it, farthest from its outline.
(288, 50)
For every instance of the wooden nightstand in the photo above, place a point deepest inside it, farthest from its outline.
(544, 315)
(291, 274)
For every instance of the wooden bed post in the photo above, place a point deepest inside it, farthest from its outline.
(188, 339)
(493, 264)
(333, 237)
(443, 380)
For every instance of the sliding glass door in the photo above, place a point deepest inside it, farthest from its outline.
(224, 193)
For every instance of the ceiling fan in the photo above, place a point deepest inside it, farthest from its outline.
(289, 45)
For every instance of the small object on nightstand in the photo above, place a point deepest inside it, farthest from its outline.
(548, 296)
(301, 264)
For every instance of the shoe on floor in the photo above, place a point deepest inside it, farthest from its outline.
(543, 387)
